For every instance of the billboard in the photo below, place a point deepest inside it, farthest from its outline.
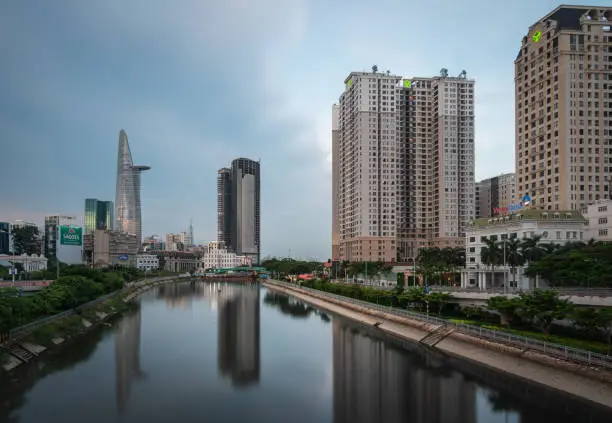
(71, 235)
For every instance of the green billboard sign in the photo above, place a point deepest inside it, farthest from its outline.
(70, 235)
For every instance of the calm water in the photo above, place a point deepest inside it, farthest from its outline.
(238, 353)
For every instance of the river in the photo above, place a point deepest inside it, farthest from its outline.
(218, 352)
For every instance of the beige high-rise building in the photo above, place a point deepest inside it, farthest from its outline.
(335, 182)
(493, 195)
(563, 75)
(403, 164)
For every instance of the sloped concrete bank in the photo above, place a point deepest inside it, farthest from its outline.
(594, 385)
(31, 345)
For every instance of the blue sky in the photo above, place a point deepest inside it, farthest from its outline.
(198, 85)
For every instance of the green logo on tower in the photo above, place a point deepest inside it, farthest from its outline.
(70, 235)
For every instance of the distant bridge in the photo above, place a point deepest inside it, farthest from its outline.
(229, 277)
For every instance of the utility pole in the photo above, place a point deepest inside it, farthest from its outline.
(505, 273)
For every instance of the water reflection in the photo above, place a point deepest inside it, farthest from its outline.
(341, 372)
(239, 349)
(127, 357)
(182, 295)
(377, 382)
(293, 307)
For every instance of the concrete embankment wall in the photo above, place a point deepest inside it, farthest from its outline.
(591, 384)
(17, 351)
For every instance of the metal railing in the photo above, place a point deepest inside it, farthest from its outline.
(29, 327)
(517, 341)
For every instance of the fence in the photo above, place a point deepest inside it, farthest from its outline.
(29, 327)
(521, 342)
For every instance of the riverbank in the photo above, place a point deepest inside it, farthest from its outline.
(69, 326)
(581, 381)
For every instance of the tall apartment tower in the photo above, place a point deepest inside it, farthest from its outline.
(493, 195)
(437, 124)
(405, 164)
(563, 81)
(238, 207)
(335, 182)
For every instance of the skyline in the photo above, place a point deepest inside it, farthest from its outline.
(78, 74)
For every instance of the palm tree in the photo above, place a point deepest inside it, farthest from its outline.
(490, 255)
(531, 248)
(513, 256)
(453, 258)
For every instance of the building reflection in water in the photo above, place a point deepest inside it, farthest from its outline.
(127, 357)
(293, 307)
(238, 307)
(377, 382)
(181, 295)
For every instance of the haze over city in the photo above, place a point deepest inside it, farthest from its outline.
(197, 86)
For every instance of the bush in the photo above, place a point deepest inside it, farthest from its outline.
(77, 285)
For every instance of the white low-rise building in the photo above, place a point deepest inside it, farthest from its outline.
(147, 262)
(32, 263)
(216, 256)
(553, 227)
(599, 216)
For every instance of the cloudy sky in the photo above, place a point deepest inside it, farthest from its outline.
(196, 83)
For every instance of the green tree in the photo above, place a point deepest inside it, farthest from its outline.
(575, 264)
(531, 248)
(600, 319)
(431, 264)
(542, 307)
(491, 255)
(439, 300)
(401, 282)
(414, 296)
(26, 240)
(514, 257)
(506, 307)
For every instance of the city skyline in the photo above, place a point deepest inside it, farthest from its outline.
(187, 103)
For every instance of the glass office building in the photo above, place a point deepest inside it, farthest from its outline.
(98, 215)
(5, 236)
(127, 196)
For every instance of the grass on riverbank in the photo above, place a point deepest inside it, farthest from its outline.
(562, 336)
(594, 346)
(72, 326)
